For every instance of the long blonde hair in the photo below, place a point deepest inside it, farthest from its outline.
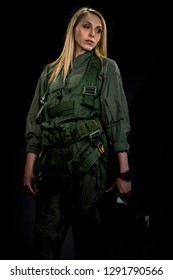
(65, 60)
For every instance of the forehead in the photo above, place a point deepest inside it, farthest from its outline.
(91, 18)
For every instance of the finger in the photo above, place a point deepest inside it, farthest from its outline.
(110, 189)
(30, 192)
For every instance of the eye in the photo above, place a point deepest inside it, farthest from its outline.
(86, 26)
(99, 30)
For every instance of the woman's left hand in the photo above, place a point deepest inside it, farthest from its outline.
(122, 186)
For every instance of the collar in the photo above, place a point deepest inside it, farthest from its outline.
(82, 59)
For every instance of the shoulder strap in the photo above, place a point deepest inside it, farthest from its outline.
(91, 76)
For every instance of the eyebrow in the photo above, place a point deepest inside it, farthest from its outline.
(86, 21)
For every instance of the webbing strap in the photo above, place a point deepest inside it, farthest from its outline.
(89, 161)
(85, 164)
(70, 135)
(91, 82)
(88, 126)
(76, 158)
(92, 72)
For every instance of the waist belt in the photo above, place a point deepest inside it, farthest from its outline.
(67, 136)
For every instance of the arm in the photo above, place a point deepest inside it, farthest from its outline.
(32, 137)
(116, 121)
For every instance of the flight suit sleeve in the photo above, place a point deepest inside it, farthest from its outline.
(32, 132)
(115, 112)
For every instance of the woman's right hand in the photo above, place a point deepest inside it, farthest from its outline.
(29, 179)
(29, 183)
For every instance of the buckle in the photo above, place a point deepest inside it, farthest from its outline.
(90, 90)
(95, 135)
(100, 147)
(42, 100)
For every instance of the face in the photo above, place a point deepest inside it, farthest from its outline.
(87, 33)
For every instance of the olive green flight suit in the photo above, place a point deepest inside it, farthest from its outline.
(71, 136)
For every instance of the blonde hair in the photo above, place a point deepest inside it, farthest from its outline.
(65, 60)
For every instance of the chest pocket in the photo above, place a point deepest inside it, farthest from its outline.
(61, 109)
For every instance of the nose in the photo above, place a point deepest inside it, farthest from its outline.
(92, 33)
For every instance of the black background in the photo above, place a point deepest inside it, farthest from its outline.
(139, 39)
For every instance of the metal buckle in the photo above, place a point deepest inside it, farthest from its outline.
(101, 147)
(90, 90)
(95, 135)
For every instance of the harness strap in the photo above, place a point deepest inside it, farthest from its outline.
(70, 135)
(92, 75)
(90, 88)
(89, 161)
(88, 126)
(84, 159)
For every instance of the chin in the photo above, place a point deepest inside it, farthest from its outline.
(89, 49)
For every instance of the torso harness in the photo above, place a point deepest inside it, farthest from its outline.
(73, 115)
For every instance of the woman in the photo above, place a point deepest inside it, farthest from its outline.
(78, 116)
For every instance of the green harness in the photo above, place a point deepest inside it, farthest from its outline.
(60, 127)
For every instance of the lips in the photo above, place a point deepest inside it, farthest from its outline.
(89, 42)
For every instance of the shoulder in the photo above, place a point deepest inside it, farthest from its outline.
(46, 72)
(110, 65)
(43, 80)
